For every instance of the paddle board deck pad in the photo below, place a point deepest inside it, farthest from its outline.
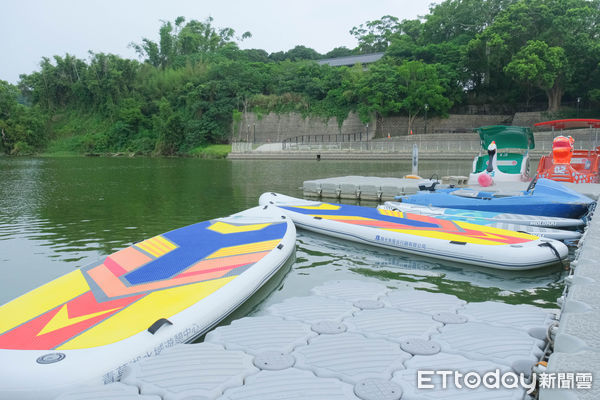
(518, 219)
(422, 235)
(536, 230)
(85, 326)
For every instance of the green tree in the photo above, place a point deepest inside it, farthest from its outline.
(420, 84)
(542, 66)
(256, 55)
(169, 128)
(388, 89)
(459, 21)
(179, 42)
(298, 53)
(375, 36)
(339, 52)
(573, 25)
(21, 126)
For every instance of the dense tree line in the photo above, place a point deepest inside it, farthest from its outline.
(194, 83)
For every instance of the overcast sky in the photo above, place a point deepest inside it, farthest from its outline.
(32, 29)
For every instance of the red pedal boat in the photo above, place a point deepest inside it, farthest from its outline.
(566, 164)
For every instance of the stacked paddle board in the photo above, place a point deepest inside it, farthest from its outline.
(548, 198)
(533, 224)
(84, 327)
(422, 235)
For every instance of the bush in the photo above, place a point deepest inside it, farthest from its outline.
(212, 151)
(22, 149)
(142, 145)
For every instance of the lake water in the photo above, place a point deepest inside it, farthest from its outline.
(57, 214)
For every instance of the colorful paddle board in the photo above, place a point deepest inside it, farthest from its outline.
(467, 216)
(507, 218)
(547, 198)
(422, 235)
(84, 327)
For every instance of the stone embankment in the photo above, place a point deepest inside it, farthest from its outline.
(431, 146)
(275, 128)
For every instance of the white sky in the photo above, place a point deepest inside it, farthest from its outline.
(32, 29)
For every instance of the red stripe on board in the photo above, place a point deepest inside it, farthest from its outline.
(27, 337)
(114, 267)
(208, 271)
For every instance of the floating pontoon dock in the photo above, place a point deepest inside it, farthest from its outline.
(365, 340)
(382, 189)
(348, 340)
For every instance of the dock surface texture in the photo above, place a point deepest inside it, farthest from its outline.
(381, 189)
(577, 337)
(347, 340)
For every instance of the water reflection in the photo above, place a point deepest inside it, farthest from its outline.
(471, 283)
(60, 214)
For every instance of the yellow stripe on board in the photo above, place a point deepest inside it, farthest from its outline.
(42, 299)
(157, 246)
(482, 234)
(62, 319)
(322, 206)
(492, 230)
(165, 243)
(148, 249)
(225, 228)
(140, 315)
(391, 213)
(245, 249)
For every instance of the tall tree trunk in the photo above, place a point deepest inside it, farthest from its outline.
(554, 97)
(411, 120)
(379, 125)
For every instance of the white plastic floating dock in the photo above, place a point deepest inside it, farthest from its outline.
(576, 338)
(359, 187)
(348, 340)
(383, 189)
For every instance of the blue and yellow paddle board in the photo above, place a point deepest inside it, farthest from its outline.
(84, 327)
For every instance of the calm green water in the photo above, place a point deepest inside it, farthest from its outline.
(60, 214)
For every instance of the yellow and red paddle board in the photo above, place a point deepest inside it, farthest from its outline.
(421, 234)
(84, 327)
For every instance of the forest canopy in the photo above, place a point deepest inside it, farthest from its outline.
(193, 82)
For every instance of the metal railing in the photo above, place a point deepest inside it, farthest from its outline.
(327, 138)
(388, 146)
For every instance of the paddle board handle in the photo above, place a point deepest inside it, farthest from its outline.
(553, 249)
(158, 324)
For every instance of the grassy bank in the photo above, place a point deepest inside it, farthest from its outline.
(211, 151)
(77, 134)
(71, 147)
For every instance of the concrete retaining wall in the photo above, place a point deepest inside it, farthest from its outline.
(398, 126)
(278, 127)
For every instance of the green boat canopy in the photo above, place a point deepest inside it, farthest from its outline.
(506, 137)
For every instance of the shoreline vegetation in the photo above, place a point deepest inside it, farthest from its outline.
(193, 86)
(211, 152)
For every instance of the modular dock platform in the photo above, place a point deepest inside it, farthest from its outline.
(348, 340)
(373, 188)
(368, 341)
(576, 336)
